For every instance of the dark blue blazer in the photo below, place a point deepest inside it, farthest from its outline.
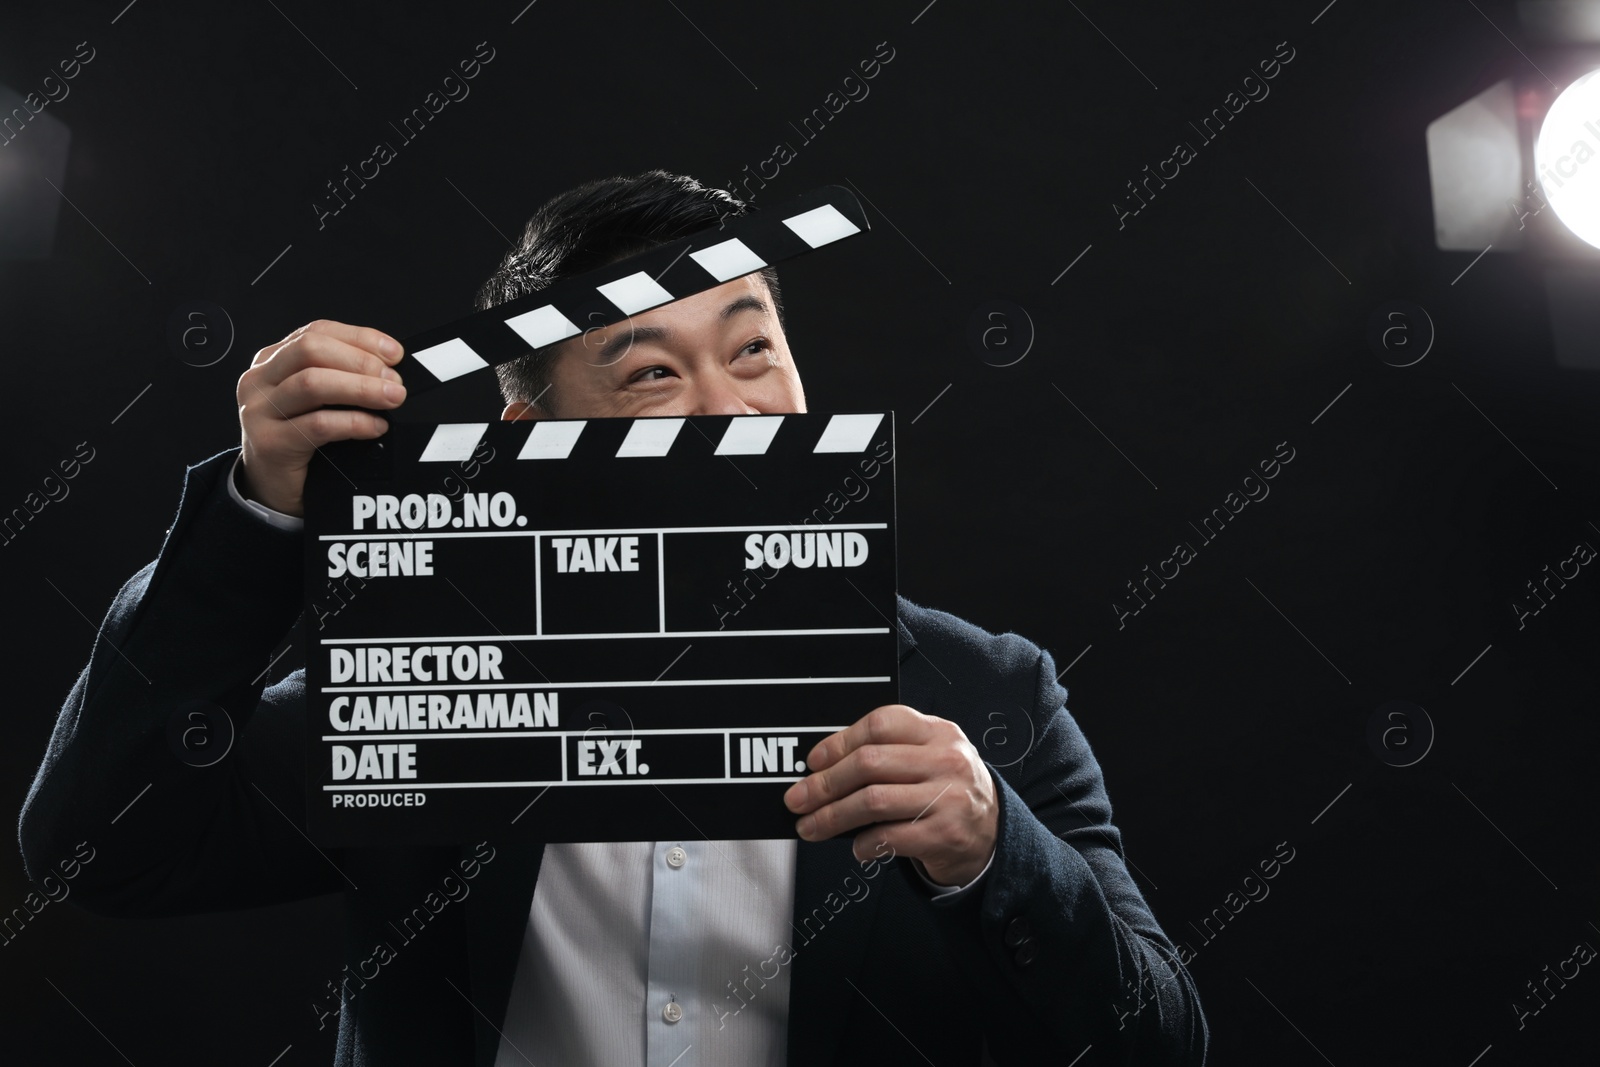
(1053, 958)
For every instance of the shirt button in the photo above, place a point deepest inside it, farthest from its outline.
(672, 1012)
(676, 857)
(1017, 931)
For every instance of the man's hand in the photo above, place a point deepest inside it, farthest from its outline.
(283, 398)
(917, 777)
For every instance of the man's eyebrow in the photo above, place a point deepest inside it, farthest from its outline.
(619, 344)
(744, 303)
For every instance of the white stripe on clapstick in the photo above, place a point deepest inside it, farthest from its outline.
(453, 442)
(542, 326)
(749, 435)
(449, 360)
(650, 437)
(728, 260)
(637, 292)
(821, 225)
(848, 433)
(552, 440)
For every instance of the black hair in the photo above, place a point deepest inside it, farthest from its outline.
(588, 226)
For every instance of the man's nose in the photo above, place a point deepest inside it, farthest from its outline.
(722, 397)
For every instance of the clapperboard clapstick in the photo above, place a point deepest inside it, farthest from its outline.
(609, 294)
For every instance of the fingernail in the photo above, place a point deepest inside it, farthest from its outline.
(391, 374)
(806, 825)
(389, 346)
(797, 795)
(394, 392)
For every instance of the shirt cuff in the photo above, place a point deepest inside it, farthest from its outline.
(261, 511)
(938, 891)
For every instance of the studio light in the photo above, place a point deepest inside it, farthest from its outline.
(1515, 170)
(1564, 157)
(1527, 143)
(33, 154)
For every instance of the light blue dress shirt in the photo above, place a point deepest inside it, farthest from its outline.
(659, 954)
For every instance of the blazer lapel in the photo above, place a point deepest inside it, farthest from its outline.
(824, 955)
(497, 917)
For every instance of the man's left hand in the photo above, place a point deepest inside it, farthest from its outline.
(915, 779)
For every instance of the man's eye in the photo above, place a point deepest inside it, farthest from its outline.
(648, 374)
(760, 344)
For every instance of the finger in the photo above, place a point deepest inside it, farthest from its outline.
(372, 340)
(315, 387)
(315, 349)
(879, 802)
(911, 840)
(888, 724)
(314, 429)
(378, 343)
(871, 763)
(875, 843)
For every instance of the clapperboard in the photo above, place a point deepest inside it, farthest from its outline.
(595, 629)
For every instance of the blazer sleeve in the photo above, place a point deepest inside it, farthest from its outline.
(192, 632)
(1063, 950)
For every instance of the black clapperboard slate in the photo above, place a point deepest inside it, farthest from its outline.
(603, 629)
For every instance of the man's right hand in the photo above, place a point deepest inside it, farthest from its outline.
(283, 398)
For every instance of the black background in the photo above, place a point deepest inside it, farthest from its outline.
(1228, 715)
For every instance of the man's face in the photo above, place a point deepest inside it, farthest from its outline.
(719, 352)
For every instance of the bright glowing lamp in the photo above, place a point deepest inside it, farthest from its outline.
(1567, 157)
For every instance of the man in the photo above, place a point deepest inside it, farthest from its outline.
(934, 905)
